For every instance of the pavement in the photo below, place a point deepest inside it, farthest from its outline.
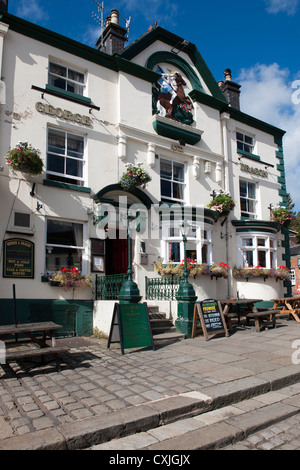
(189, 394)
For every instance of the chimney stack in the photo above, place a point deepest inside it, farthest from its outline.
(4, 5)
(113, 38)
(231, 90)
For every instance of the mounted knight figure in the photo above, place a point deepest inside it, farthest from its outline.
(169, 99)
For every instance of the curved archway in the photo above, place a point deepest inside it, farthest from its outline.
(103, 195)
(170, 58)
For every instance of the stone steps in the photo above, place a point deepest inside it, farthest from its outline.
(162, 327)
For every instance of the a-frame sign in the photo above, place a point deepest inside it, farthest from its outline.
(212, 321)
(130, 327)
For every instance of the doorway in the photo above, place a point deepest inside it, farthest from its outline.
(116, 255)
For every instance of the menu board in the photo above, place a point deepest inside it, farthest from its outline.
(18, 258)
(211, 317)
(131, 326)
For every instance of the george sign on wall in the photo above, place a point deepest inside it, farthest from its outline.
(212, 321)
(130, 327)
(18, 258)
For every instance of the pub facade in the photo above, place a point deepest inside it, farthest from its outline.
(100, 118)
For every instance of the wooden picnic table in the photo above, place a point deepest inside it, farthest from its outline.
(247, 308)
(38, 344)
(289, 306)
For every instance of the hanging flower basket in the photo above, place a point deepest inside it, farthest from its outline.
(222, 203)
(134, 176)
(25, 158)
(69, 277)
(194, 269)
(282, 216)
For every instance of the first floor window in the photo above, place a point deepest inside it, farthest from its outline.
(257, 250)
(64, 245)
(66, 78)
(171, 181)
(248, 199)
(65, 157)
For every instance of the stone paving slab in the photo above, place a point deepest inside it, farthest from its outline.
(97, 384)
(217, 428)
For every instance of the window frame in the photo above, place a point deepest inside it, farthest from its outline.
(82, 248)
(251, 215)
(66, 79)
(76, 180)
(255, 248)
(199, 240)
(168, 199)
(243, 142)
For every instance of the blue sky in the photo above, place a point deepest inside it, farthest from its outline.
(258, 40)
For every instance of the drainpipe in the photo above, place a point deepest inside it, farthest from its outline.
(225, 119)
(3, 31)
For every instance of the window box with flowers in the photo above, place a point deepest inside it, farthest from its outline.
(280, 273)
(134, 176)
(25, 158)
(194, 269)
(69, 278)
(282, 215)
(222, 203)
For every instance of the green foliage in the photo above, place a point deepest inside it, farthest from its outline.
(25, 158)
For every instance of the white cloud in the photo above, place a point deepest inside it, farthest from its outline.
(267, 93)
(31, 10)
(285, 6)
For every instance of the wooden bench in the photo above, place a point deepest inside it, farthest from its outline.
(260, 316)
(15, 355)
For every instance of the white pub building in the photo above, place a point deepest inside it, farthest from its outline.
(96, 117)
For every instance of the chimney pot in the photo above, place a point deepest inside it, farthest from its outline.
(113, 38)
(227, 74)
(114, 16)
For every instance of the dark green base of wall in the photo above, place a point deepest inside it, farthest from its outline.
(76, 317)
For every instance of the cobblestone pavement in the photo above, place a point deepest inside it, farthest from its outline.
(284, 435)
(95, 381)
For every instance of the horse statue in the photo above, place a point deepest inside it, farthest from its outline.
(170, 101)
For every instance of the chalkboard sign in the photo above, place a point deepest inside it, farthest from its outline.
(18, 259)
(212, 320)
(130, 326)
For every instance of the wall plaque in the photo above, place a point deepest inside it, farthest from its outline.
(18, 258)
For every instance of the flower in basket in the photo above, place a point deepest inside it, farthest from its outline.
(222, 203)
(25, 158)
(282, 215)
(194, 269)
(134, 176)
(70, 277)
(220, 269)
(283, 273)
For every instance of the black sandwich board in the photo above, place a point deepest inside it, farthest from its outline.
(212, 320)
(130, 326)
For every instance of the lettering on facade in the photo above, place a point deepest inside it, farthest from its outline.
(63, 114)
(254, 171)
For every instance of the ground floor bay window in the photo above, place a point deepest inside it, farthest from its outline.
(257, 250)
(64, 245)
(198, 246)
